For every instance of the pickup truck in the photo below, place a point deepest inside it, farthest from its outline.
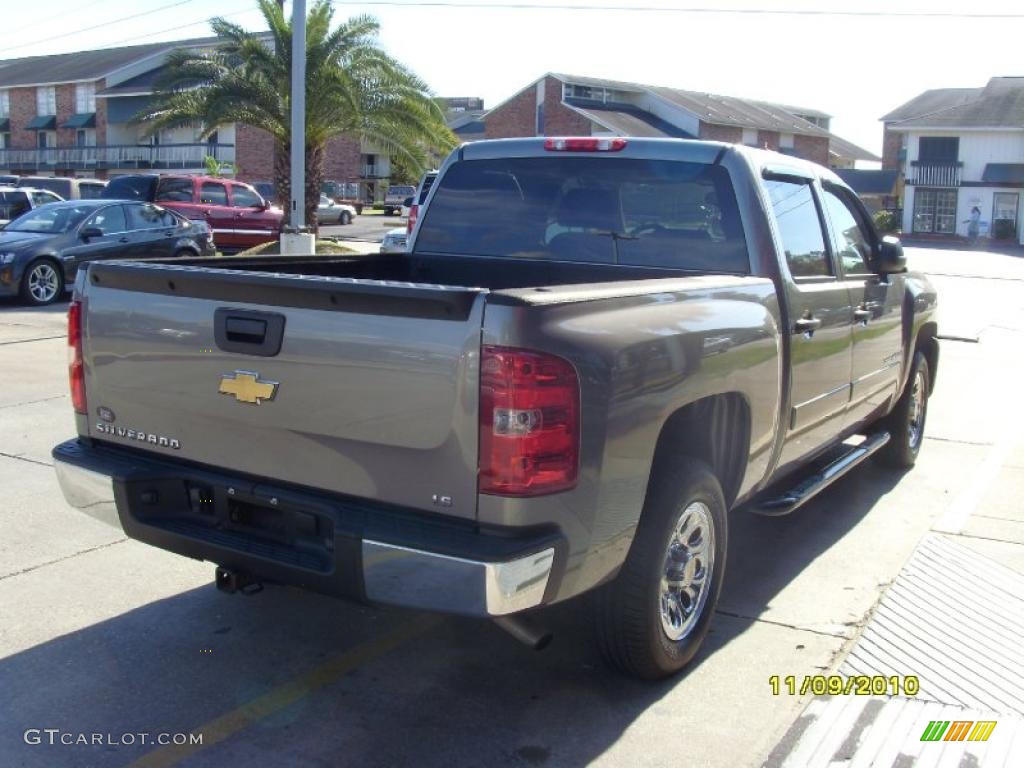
(396, 197)
(593, 350)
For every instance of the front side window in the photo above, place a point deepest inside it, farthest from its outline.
(852, 242)
(174, 191)
(110, 220)
(212, 193)
(243, 197)
(42, 197)
(46, 100)
(799, 227)
(589, 209)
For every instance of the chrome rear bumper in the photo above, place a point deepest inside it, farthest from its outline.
(398, 575)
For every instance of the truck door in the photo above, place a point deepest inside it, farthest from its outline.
(877, 306)
(820, 320)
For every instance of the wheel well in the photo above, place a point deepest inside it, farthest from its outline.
(53, 260)
(715, 430)
(928, 343)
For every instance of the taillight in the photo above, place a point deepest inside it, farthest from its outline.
(76, 365)
(414, 211)
(584, 144)
(529, 422)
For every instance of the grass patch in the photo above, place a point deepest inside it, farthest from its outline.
(273, 248)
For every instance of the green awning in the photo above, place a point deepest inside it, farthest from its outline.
(84, 120)
(42, 123)
(5, 125)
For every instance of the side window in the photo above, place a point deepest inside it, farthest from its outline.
(89, 191)
(212, 193)
(174, 191)
(43, 197)
(799, 227)
(243, 197)
(145, 217)
(110, 220)
(853, 245)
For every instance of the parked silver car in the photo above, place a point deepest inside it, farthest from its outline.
(331, 212)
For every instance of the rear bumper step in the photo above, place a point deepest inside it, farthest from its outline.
(811, 485)
(344, 547)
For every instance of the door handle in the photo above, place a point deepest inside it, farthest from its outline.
(807, 325)
(123, 240)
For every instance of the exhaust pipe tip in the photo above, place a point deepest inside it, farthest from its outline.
(525, 631)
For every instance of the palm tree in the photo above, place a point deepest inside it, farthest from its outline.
(352, 88)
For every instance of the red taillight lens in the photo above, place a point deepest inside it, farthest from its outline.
(529, 422)
(76, 365)
(584, 144)
(414, 211)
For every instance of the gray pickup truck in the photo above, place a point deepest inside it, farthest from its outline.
(592, 352)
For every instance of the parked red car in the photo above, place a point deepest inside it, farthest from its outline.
(236, 213)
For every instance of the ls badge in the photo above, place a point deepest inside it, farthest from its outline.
(247, 387)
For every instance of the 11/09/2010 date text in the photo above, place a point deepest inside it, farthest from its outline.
(840, 685)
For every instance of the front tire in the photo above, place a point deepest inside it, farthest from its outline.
(345, 218)
(906, 421)
(652, 619)
(42, 283)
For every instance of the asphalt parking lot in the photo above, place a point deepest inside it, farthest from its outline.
(101, 635)
(367, 227)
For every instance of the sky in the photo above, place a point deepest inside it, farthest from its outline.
(854, 59)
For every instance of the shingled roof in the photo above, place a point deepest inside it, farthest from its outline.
(83, 65)
(1000, 104)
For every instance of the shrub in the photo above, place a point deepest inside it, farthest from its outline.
(887, 221)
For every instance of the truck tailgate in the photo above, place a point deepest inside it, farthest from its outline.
(373, 391)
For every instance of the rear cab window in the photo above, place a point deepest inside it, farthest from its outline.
(173, 190)
(130, 188)
(611, 211)
(213, 193)
(13, 203)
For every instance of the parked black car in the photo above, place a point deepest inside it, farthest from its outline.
(40, 252)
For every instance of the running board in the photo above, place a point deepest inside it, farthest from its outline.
(815, 483)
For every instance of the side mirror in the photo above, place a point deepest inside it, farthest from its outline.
(90, 232)
(408, 202)
(890, 259)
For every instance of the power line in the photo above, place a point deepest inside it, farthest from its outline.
(165, 30)
(44, 19)
(688, 10)
(99, 26)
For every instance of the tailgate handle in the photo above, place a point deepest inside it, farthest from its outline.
(248, 332)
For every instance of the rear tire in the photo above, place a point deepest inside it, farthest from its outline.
(652, 619)
(905, 423)
(185, 253)
(42, 282)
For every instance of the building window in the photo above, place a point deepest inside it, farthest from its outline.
(5, 140)
(5, 103)
(46, 139)
(785, 140)
(46, 100)
(938, 149)
(935, 210)
(85, 137)
(750, 137)
(85, 98)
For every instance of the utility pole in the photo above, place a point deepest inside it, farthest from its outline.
(298, 153)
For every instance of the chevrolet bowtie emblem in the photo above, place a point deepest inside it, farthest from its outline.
(247, 387)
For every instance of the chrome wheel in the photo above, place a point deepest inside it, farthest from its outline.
(915, 422)
(687, 571)
(43, 282)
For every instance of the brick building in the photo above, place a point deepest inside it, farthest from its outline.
(73, 115)
(570, 105)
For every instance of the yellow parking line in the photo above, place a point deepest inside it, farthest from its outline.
(286, 694)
